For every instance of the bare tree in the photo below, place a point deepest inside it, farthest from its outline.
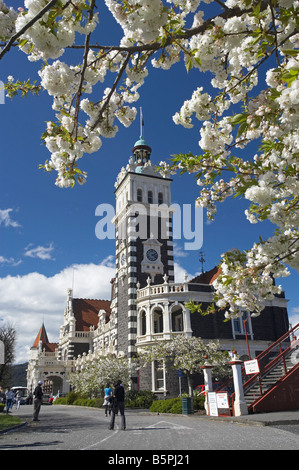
(8, 336)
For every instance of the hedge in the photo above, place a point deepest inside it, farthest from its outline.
(134, 399)
(174, 405)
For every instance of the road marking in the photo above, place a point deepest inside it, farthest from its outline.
(103, 440)
(174, 426)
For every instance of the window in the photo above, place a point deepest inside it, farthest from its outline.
(158, 321)
(159, 375)
(150, 197)
(139, 195)
(177, 321)
(239, 327)
(160, 198)
(143, 323)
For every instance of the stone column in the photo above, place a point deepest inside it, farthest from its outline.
(207, 374)
(240, 405)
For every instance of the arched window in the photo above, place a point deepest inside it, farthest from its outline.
(158, 320)
(160, 198)
(139, 195)
(150, 197)
(143, 323)
(177, 320)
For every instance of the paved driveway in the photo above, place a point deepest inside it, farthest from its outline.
(76, 428)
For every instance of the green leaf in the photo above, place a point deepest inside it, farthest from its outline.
(292, 52)
(238, 118)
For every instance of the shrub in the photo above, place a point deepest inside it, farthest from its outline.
(72, 397)
(139, 398)
(174, 405)
(198, 402)
(61, 401)
(1, 407)
(170, 405)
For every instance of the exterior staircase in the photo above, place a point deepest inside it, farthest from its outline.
(265, 383)
(276, 386)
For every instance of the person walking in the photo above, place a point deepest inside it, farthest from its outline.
(108, 392)
(18, 399)
(118, 403)
(9, 399)
(38, 400)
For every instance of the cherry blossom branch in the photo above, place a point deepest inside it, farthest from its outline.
(120, 73)
(26, 27)
(84, 66)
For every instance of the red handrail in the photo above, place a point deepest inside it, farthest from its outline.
(264, 369)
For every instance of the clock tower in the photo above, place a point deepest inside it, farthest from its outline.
(144, 243)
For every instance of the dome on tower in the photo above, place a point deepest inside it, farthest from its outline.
(141, 143)
(142, 152)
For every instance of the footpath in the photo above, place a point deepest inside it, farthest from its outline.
(259, 419)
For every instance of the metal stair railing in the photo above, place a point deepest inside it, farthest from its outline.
(269, 360)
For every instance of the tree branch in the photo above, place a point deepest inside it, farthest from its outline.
(27, 26)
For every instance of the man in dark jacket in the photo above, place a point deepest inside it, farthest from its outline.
(118, 404)
(38, 400)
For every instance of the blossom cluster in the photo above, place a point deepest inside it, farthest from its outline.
(8, 17)
(249, 49)
(93, 372)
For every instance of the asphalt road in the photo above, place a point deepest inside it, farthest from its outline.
(78, 428)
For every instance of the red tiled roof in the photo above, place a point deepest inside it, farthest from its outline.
(41, 336)
(50, 347)
(86, 312)
(207, 277)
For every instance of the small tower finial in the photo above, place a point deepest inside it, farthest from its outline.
(201, 260)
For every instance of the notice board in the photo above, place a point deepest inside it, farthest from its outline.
(218, 404)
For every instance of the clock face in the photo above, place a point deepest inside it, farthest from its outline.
(123, 259)
(151, 254)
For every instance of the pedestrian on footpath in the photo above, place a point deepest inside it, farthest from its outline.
(38, 400)
(18, 399)
(108, 392)
(10, 396)
(118, 403)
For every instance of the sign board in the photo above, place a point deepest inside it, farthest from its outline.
(218, 404)
(222, 404)
(213, 410)
(252, 367)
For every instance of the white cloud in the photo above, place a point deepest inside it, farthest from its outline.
(294, 316)
(10, 261)
(6, 220)
(29, 300)
(179, 252)
(41, 252)
(180, 273)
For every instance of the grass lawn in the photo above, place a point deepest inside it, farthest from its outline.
(8, 421)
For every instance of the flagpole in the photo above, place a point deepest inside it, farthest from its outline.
(141, 123)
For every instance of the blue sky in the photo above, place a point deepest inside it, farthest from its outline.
(47, 234)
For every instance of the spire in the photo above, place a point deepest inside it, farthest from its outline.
(42, 336)
(141, 150)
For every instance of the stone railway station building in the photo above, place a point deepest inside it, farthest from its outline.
(146, 303)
